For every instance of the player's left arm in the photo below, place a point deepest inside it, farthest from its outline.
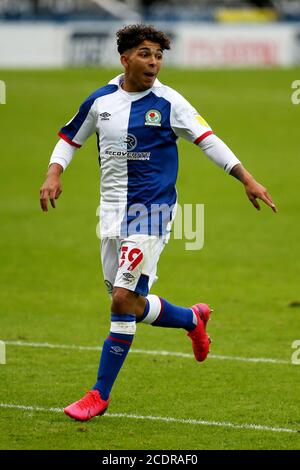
(186, 122)
(254, 190)
(217, 151)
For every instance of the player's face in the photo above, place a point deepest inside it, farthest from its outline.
(142, 65)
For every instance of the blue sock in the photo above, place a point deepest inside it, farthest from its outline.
(114, 352)
(160, 312)
(146, 311)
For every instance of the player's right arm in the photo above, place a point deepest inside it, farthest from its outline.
(52, 188)
(72, 137)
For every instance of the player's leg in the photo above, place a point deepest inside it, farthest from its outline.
(93, 403)
(157, 311)
(131, 282)
(118, 342)
(113, 355)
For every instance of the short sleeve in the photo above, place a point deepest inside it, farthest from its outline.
(81, 126)
(186, 122)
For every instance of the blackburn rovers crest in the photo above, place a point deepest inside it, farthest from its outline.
(153, 118)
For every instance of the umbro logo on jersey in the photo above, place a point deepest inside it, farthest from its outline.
(105, 116)
(129, 277)
(153, 118)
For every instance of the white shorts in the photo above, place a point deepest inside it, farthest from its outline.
(131, 262)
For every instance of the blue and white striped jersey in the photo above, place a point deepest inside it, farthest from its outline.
(137, 139)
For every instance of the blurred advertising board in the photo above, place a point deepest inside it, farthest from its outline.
(38, 45)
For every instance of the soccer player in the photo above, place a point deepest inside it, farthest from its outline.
(138, 120)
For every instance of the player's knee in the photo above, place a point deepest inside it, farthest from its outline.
(123, 301)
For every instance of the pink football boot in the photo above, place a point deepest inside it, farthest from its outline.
(198, 335)
(88, 407)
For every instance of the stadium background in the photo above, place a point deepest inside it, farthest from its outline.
(236, 62)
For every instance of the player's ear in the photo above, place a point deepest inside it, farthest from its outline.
(124, 60)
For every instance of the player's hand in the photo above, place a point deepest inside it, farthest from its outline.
(256, 191)
(51, 189)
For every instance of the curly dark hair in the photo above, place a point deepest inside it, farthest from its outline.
(133, 35)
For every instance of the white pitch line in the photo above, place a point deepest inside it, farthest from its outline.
(265, 360)
(53, 346)
(163, 419)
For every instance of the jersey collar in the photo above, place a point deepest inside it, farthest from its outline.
(120, 78)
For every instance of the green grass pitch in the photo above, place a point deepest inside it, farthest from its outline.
(52, 289)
